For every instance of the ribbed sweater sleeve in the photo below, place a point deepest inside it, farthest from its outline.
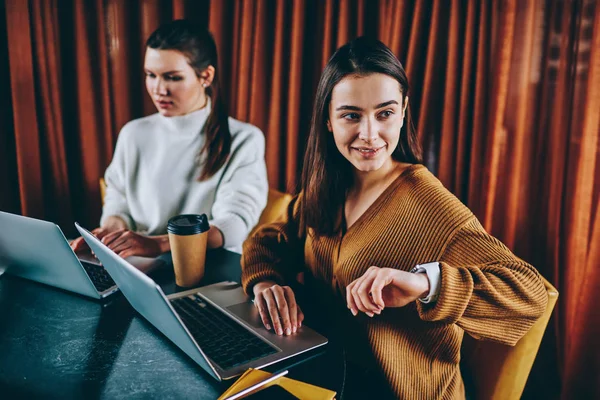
(273, 252)
(485, 289)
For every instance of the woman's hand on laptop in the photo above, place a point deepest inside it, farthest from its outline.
(111, 224)
(277, 307)
(79, 245)
(128, 243)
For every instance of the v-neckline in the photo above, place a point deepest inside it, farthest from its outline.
(392, 186)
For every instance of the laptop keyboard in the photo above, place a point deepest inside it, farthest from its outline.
(99, 276)
(223, 340)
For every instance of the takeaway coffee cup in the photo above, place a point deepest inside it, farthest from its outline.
(188, 235)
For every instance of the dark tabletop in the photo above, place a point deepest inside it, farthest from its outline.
(55, 344)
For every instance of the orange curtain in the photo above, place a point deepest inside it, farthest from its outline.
(506, 95)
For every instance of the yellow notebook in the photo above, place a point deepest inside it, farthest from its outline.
(299, 389)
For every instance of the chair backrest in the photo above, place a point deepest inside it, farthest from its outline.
(102, 189)
(277, 204)
(495, 371)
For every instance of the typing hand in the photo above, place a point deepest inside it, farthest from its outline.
(385, 287)
(128, 243)
(277, 307)
(79, 245)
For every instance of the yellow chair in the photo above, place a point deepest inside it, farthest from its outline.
(277, 204)
(498, 372)
(102, 189)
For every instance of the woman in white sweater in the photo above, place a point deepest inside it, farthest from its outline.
(189, 158)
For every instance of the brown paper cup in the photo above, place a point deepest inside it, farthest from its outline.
(188, 242)
(189, 257)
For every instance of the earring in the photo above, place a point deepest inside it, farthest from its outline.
(204, 84)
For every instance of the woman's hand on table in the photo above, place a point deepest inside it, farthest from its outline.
(277, 307)
(379, 288)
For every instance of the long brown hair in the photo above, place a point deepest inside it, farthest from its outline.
(198, 46)
(326, 174)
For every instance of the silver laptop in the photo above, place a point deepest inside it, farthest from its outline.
(37, 250)
(216, 325)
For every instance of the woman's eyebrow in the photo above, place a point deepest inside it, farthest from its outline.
(163, 73)
(387, 103)
(346, 107)
(355, 108)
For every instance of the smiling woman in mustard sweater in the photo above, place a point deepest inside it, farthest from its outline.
(406, 263)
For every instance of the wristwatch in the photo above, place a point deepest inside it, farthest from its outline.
(432, 270)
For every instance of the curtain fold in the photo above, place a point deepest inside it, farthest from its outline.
(582, 364)
(49, 95)
(25, 119)
(94, 110)
(505, 95)
(9, 183)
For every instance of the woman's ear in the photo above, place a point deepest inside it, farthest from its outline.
(404, 106)
(329, 126)
(206, 77)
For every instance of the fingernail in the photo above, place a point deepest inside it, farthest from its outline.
(378, 311)
(268, 327)
(279, 332)
(288, 331)
(370, 314)
(353, 311)
(294, 329)
(299, 324)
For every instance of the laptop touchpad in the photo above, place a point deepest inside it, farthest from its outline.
(247, 312)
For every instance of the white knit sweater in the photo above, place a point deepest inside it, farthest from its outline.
(154, 171)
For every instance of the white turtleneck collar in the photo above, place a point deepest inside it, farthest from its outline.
(190, 124)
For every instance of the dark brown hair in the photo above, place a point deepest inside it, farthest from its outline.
(326, 174)
(198, 46)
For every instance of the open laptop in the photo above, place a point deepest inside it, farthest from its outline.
(37, 250)
(216, 325)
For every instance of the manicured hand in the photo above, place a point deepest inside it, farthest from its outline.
(277, 307)
(385, 287)
(128, 243)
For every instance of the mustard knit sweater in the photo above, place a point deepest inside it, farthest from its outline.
(485, 290)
